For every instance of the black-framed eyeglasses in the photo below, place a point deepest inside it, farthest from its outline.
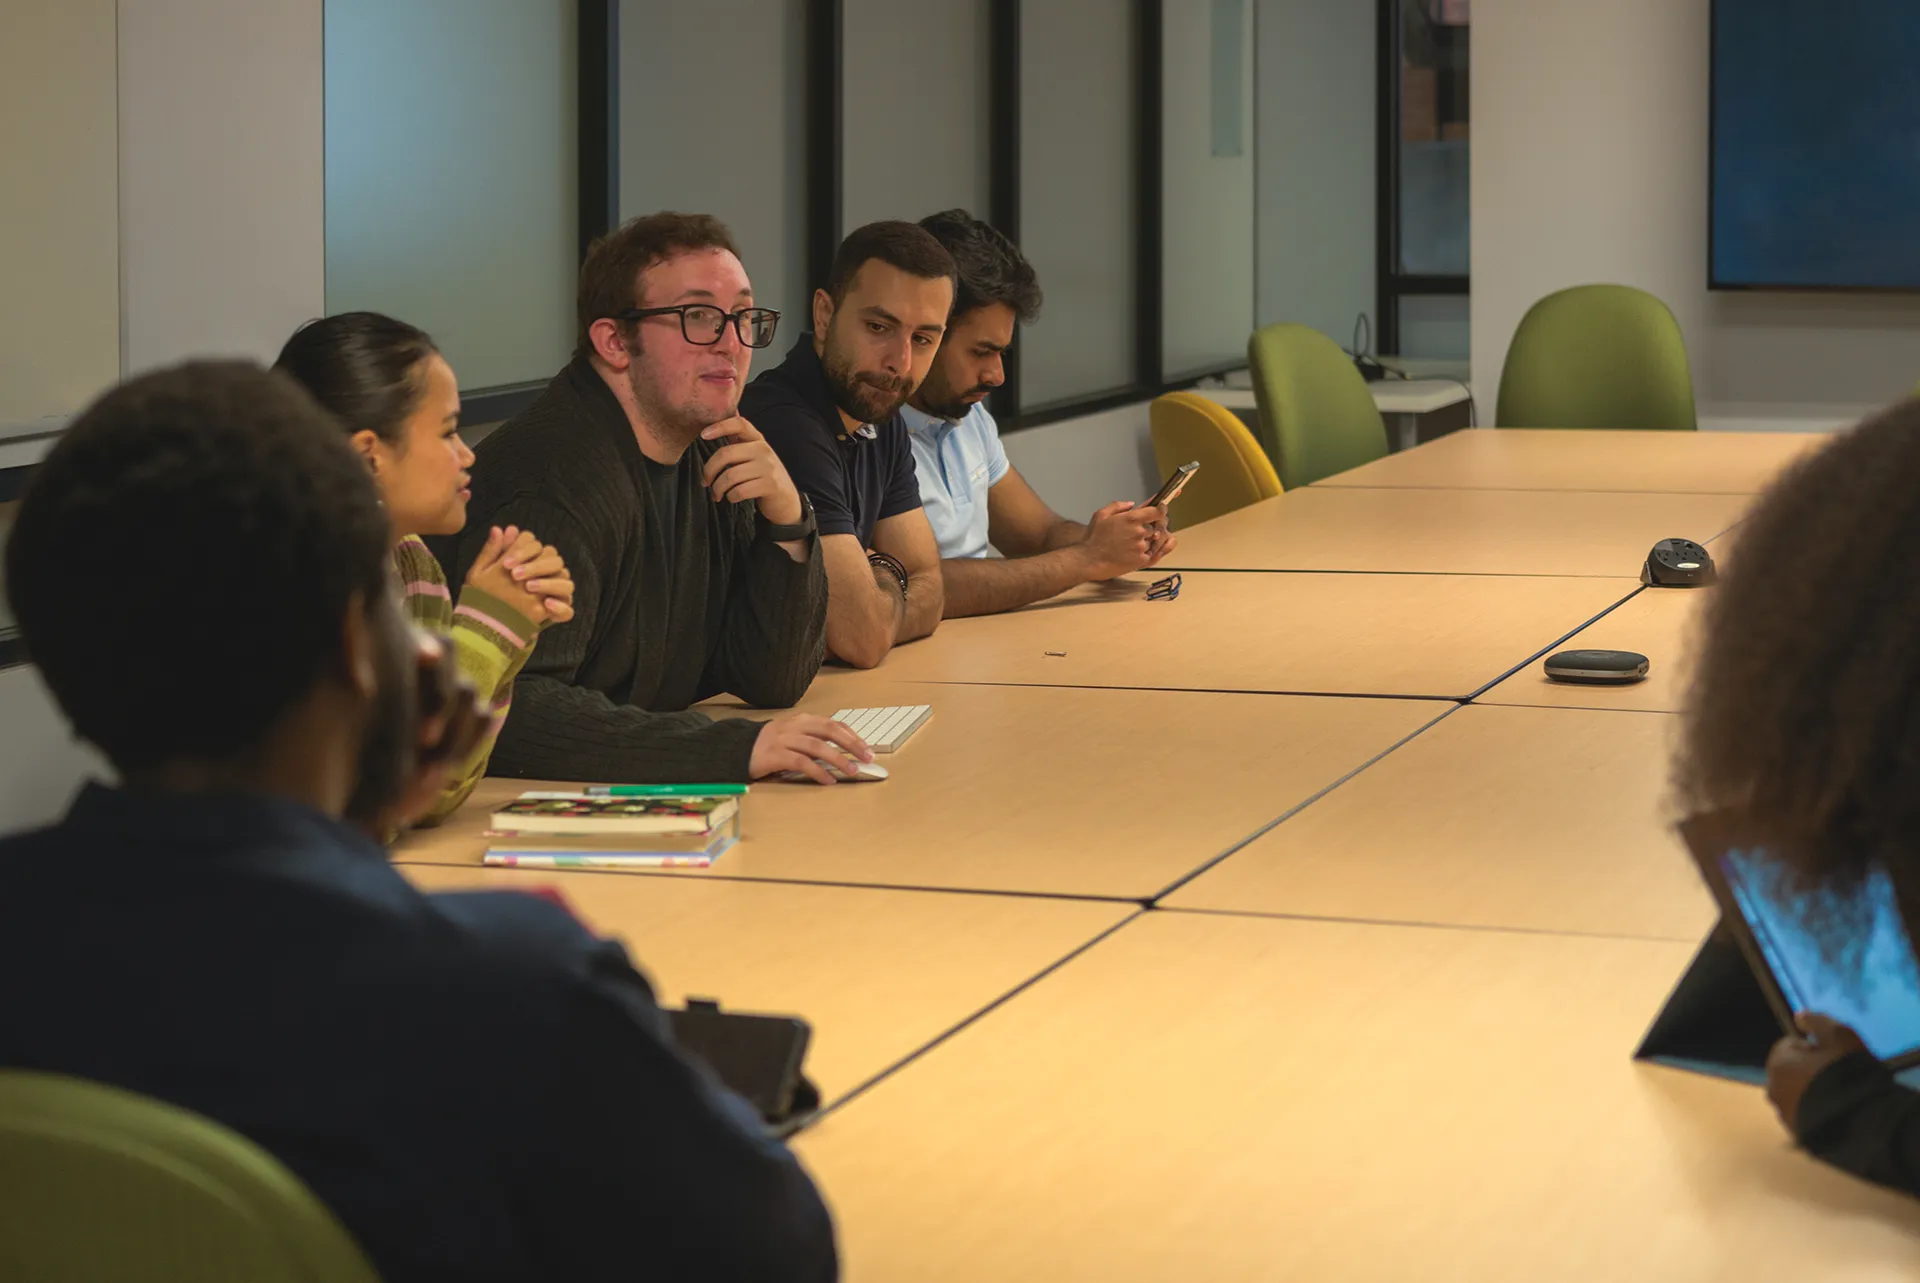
(703, 323)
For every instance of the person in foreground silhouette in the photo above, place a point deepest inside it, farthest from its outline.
(477, 1086)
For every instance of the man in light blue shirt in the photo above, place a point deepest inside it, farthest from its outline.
(972, 496)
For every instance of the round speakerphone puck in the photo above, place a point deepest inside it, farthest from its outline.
(1597, 667)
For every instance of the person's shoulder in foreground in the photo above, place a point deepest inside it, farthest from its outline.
(481, 1088)
(476, 1086)
(973, 496)
(1801, 722)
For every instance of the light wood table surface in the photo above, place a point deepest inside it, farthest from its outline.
(1537, 819)
(1660, 623)
(1070, 792)
(1467, 532)
(878, 974)
(1571, 459)
(1443, 636)
(1247, 1099)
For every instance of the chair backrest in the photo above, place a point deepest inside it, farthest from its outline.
(1597, 356)
(1234, 471)
(1316, 415)
(105, 1184)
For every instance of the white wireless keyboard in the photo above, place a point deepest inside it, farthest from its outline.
(885, 729)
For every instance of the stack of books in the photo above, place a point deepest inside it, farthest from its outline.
(617, 827)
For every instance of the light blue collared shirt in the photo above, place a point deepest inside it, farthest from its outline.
(957, 463)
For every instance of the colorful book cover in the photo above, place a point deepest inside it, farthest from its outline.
(587, 815)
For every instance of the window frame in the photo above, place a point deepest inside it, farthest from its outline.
(1391, 283)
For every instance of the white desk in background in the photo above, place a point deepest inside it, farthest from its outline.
(1406, 404)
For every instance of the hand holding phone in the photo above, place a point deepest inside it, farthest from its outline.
(1174, 485)
(1161, 538)
(1120, 539)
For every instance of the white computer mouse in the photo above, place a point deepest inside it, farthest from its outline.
(863, 772)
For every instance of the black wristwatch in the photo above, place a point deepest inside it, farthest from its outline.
(804, 528)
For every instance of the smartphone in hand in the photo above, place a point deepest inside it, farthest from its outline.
(1174, 485)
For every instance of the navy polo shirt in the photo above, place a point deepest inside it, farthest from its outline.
(856, 479)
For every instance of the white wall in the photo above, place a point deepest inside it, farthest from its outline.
(40, 763)
(1080, 465)
(1315, 167)
(222, 187)
(221, 196)
(1590, 164)
(59, 256)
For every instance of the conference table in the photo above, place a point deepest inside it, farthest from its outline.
(1557, 459)
(1106, 794)
(1508, 818)
(1660, 624)
(1296, 927)
(879, 974)
(1462, 532)
(1421, 635)
(1206, 1096)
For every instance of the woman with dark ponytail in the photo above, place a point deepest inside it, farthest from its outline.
(396, 397)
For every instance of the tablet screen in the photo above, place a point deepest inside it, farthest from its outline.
(1872, 985)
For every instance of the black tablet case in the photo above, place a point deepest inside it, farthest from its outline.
(1717, 1020)
(758, 1056)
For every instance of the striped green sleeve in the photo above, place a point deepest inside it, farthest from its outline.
(490, 641)
(422, 585)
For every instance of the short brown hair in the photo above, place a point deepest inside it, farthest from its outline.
(1804, 718)
(610, 276)
(907, 246)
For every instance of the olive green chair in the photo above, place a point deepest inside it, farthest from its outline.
(1317, 416)
(101, 1184)
(1597, 356)
(1234, 470)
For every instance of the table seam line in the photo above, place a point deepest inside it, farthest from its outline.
(1486, 928)
(1562, 640)
(868, 1084)
(1137, 901)
(1154, 900)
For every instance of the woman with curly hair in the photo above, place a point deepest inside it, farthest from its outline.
(1804, 720)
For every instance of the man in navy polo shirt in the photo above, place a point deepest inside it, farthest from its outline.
(974, 497)
(831, 412)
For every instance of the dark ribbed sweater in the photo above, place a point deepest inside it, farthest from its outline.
(1857, 1117)
(663, 617)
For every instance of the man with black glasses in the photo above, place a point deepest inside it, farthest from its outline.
(696, 563)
